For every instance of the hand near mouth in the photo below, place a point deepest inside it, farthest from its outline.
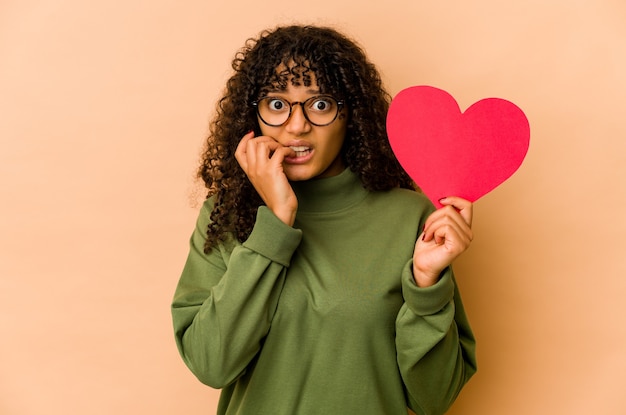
(261, 158)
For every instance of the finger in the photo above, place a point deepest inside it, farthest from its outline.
(281, 152)
(240, 152)
(267, 148)
(446, 216)
(265, 156)
(244, 141)
(440, 216)
(453, 235)
(463, 206)
(255, 154)
(444, 228)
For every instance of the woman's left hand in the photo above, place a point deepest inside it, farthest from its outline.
(447, 234)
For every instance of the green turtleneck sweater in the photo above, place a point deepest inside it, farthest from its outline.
(324, 317)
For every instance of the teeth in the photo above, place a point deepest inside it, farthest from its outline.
(300, 151)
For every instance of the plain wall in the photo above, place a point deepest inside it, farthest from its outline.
(103, 109)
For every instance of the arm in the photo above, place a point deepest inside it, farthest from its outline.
(435, 344)
(225, 300)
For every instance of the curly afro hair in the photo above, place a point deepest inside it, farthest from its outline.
(342, 70)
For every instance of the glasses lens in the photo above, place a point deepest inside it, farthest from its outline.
(321, 110)
(273, 111)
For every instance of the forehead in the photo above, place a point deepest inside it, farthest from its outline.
(293, 74)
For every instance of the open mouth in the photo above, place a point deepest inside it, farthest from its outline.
(300, 151)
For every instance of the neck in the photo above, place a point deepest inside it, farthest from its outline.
(330, 193)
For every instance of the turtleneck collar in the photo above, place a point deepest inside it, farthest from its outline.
(329, 194)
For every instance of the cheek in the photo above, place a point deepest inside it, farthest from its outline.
(262, 127)
(335, 144)
(339, 135)
(266, 130)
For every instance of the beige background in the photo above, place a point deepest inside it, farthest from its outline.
(103, 108)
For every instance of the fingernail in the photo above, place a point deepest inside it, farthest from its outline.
(443, 199)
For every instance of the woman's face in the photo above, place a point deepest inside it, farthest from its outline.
(317, 147)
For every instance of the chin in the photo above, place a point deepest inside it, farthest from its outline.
(299, 173)
(299, 176)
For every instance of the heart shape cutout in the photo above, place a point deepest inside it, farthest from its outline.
(452, 153)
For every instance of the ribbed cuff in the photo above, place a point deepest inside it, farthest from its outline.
(272, 238)
(429, 300)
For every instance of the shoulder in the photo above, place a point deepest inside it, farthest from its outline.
(208, 205)
(406, 196)
(402, 202)
(204, 220)
(204, 216)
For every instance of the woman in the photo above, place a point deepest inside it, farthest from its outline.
(318, 280)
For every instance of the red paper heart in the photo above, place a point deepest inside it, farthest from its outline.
(449, 153)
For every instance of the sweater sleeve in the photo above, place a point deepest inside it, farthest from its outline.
(435, 344)
(225, 300)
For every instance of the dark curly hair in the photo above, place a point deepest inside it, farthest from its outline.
(342, 70)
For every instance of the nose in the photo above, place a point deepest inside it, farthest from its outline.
(297, 123)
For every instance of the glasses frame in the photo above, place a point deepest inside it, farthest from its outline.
(340, 105)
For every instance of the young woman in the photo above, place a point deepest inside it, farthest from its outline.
(319, 280)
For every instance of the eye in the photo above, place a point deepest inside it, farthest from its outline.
(276, 104)
(321, 104)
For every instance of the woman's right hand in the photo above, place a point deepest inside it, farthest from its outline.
(261, 158)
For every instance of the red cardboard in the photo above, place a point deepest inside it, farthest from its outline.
(450, 153)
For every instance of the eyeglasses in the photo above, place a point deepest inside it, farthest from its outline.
(320, 110)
